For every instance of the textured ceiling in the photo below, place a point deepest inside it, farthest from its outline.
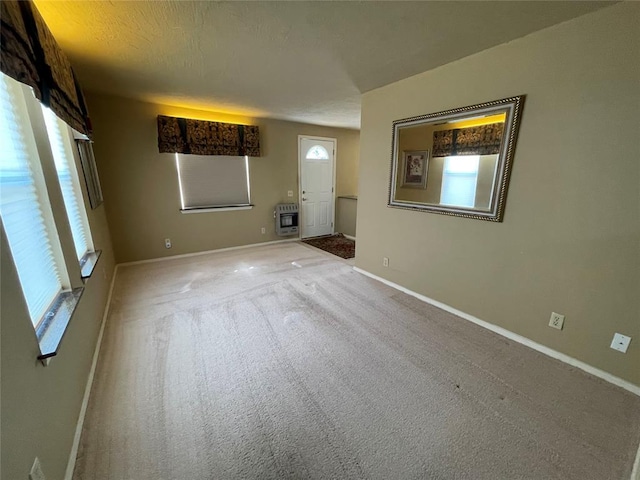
(301, 61)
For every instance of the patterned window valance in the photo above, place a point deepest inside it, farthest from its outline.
(31, 55)
(200, 137)
(482, 140)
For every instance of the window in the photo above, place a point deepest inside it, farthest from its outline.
(62, 150)
(24, 205)
(213, 182)
(459, 181)
(26, 183)
(317, 152)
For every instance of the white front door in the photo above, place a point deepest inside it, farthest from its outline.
(316, 163)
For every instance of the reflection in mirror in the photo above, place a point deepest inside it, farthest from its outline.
(455, 162)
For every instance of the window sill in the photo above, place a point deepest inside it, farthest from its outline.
(56, 321)
(88, 264)
(225, 208)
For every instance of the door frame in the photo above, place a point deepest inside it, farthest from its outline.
(333, 185)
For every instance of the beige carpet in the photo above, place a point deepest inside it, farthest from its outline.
(282, 362)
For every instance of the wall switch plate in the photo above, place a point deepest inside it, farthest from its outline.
(620, 342)
(385, 262)
(167, 243)
(36, 471)
(263, 230)
(556, 320)
(290, 193)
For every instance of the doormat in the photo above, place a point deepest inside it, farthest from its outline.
(336, 244)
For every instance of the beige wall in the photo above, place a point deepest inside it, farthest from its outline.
(570, 240)
(346, 211)
(40, 405)
(141, 185)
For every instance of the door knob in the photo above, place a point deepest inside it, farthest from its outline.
(304, 199)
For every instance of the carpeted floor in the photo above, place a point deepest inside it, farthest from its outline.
(336, 244)
(278, 362)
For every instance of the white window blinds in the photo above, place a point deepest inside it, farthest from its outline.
(60, 141)
(213, 181)
(23, 207)
(459, 181)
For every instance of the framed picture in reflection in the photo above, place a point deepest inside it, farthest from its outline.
(414, 173)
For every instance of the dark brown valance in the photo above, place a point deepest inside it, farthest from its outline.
(32, 56)
(482, 140)
(200, 137)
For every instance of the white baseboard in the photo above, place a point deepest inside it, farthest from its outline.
(71, 464)
(349, 237)
(205, 252)
(635, 473)
(513, 336)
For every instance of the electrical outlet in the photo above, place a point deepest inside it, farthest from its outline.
(385, 262)
(263, 230)
(290, 193)
(36, 471)
(167, 243)
(620, 342)
(556, 321)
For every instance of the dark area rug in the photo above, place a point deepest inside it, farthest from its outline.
(336, 244)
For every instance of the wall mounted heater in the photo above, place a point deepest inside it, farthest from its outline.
(286, 216)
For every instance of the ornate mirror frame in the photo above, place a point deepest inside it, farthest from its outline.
(512, 108)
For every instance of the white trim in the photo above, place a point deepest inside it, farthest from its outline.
(71, 464)
(215, 209)
(246, 167)
(333, 186)
(205, 252)
(635, 472)
(349, 237)
(513, 336)
(179, 180)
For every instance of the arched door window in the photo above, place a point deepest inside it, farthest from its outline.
(317, 152)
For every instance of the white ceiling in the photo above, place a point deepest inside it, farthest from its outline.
(300, 61)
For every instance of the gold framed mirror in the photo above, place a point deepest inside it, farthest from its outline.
(456, 162)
